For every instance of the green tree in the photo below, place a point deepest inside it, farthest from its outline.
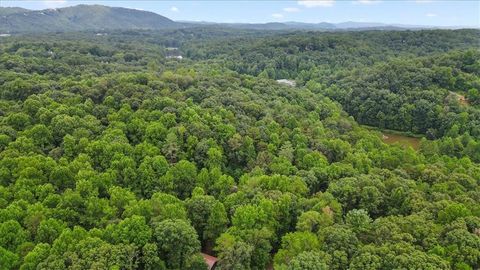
(208, 216)
(294, 244)
(309, 260)
(233, 253)
(48, 230)
(12, 235)
(176, 241)
(8, 259)
(312, 221)
(131, 230)
(183, 176)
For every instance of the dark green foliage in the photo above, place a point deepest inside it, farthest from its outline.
(113, 157)
(176, 241)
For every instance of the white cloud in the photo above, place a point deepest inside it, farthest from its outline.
(316, 3)
(174, 9)
(291, 9)
(277, 15)
(54, 3)
(367, 2)
(431, 15)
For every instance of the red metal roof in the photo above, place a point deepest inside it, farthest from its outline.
(210, 260)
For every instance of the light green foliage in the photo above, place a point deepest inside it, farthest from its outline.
(249, 217)
(132, 230)
(8, 259)
(48, 230)
(312, 221)
(452, 212)
(308, 261)
(196, 262)
(114, 157)
(150, 259)
(294, 244)
(35, 256)
(359, 221)
(12, 235)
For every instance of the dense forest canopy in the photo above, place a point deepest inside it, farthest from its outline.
(115, 157)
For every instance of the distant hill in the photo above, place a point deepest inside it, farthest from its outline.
(10, 10)
(98, 18)
(278, 26)
(346, 25)
(79, 18)
(313, 26)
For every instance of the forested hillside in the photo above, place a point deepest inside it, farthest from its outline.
(401, 80)
(115, 157)
(79, 18)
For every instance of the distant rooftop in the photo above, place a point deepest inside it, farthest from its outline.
(287, 82)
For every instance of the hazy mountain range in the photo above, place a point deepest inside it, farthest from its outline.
(98, 18)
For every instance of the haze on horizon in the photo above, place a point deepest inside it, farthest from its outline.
(415, 12)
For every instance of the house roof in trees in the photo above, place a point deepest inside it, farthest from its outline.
(210, 260)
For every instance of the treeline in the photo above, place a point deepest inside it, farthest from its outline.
(305, 54)
(113, 162)
(423, 82)
(420, 95)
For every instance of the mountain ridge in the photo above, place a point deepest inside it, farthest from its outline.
(82, 17)
(98, 18)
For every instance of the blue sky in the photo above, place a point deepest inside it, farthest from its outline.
(419, 12)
